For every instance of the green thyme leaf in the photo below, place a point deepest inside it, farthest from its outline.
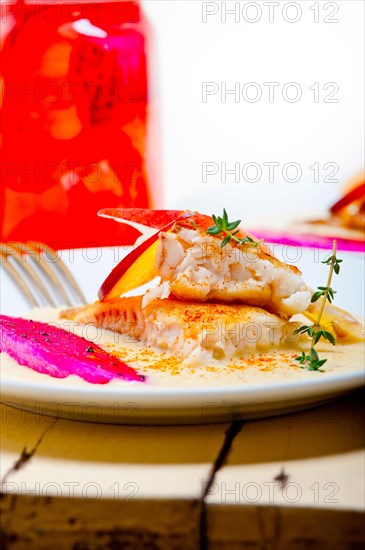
(225, 228)
(225, 241)
(315, 331)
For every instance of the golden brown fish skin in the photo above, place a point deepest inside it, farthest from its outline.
(194, 317)
(122, 315)
(193, 332)
(198, 269)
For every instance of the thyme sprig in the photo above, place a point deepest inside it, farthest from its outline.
(336, 263)
(323, 291)
(315, 331)
(312, 361)
(226, 229)
(316, 335)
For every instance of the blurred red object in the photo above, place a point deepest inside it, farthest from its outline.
(73, 120)
(349, 210)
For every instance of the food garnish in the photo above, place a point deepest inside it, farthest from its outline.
(224, 228)
(137, 268)
(315, 331)
(51, 350)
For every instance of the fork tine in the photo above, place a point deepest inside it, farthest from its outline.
(18, 280)
(17, 251)
(33, 277)
(49, 273)
(68, 277)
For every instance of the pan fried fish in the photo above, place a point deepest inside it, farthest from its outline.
(187, 253)
(193, 332)
(198, 269)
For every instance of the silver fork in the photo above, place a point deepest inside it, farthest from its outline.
(40, 274)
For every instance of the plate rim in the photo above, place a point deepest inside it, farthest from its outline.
(162, 397)
(286, 388)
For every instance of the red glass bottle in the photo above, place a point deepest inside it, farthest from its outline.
(74, 114)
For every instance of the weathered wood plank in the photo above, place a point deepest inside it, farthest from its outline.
(233, 527)
(289, 482)
(160, 462)
(286, 475)
(92, 485)
(63, 524)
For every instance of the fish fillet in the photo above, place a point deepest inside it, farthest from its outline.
(198, 269)
(194, 332)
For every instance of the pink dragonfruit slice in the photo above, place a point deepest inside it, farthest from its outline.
(51, 350)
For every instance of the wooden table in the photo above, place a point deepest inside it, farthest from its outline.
(290, 482)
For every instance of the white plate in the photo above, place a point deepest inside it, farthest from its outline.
(154, 404)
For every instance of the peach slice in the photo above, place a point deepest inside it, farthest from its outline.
(137, 268)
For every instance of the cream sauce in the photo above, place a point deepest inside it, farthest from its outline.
(163, 369)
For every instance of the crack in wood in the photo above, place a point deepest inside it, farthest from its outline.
(230, 434)
(262, 531)
(270, 535)
(277, 528)
(26, 455)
